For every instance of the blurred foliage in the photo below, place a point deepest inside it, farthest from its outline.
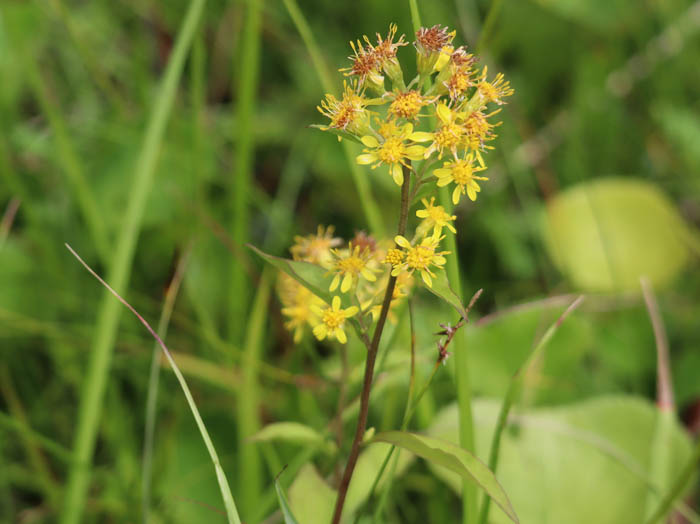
(603, 88)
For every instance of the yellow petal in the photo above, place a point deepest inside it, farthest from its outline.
(456, 194)
(422, 213)
(414, 152)
(471, 193)
(369, 141)
(426, 278)
(444, 113)
(439, 260)
(351, 311)
(444, 181)
(366, 159)
(334, 282)
(396, 173)
(347, 283)
(442, 171)
(368, 275)
(340, 335)
(320, 331)
(421, 136)
(336, 303)
(402, 241)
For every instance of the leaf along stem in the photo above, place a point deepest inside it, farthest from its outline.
(369, 364)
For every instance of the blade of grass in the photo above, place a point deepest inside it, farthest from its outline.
(247, 84)
(250, 473)
(97, 373)
(510, 397)
(231, 511)
(359, 177)
(464, 394)
(153, 379)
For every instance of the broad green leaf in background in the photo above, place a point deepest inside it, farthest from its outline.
(606, 234)
(312, 499)
(453, 458)
(581, 463)
(601, 15)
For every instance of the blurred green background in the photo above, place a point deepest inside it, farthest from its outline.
(594, 183)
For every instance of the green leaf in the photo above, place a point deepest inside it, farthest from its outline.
(604, 235)
(579, 463)
(289, 517)
(339, 132)
(441, 288)
(315, 278)
(293, 432)
(453, 458)
(311, 499)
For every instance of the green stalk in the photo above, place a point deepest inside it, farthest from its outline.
(247, 86)
(250, 472)
(97, 372)
(464, 394)
(359, 177)
(511, 395)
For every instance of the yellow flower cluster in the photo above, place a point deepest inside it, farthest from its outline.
(442, 111)
(358, 272)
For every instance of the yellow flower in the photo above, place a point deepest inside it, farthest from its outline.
(349, 113)
(421, 257)
(316, 248)
(448, 136)
(479, 131)
(392, 149)
(461, 172)
(407, 104)
(366, 66)
(495, 90)
(297, 302)
(434, 217)
(333, 321)
(349, 265)
(430, 43)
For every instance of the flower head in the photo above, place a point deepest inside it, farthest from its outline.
(297, 302)
(431, 43)
(391, 149)
(434, 217)
(495, 90)
(407, 104)
(349, 265)
(349, 113)
(448, 135)
(462, 172)
(385, 54)
(333, 321)
(316, 248)
(365, 66)
(420, 257)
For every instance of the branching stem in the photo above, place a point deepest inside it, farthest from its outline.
(369, 365)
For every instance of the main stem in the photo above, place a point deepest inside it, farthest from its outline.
(369, 364)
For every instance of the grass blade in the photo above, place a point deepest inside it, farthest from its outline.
(231, 511)
(108, 315)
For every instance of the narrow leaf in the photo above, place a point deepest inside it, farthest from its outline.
(292, 432)
(455, 459)
(441, 288)
(289, 517)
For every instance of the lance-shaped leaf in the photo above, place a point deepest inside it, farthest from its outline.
(442, 289)
(455, 459)
(336, 131)
(315, 278)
